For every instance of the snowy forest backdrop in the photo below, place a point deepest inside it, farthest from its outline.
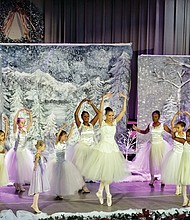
(164, 85)
(51, 80)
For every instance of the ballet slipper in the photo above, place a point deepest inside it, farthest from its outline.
(178, 190)
(100, 197)
(85, 189)
(16, 186)
(109, 200)
(186, 203)
(36, 209)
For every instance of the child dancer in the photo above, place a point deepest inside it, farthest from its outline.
(19, 159)
(39, 182)
(86, 140)
(172, 159)
(64, 177)
(184, 168)
(157, 146)
(106, 163)
(4, 180)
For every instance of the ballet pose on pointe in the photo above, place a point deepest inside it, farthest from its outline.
(19, 159)
(86, 139)
(184, 168)
(171, 162)
(106, 163)
(39, 182)
(64, 177)
(4, 179)
(157, 145)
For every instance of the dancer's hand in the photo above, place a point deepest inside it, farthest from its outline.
(179, 113)
(187, 113)
(109, 94)
(122, 95)
(5, 119)
(135, 127)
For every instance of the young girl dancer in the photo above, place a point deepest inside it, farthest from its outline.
(172, 159)
(64, 177)
(106, 163)
(19, 159)
(86, 140)
(4, 180)
(184, 168)
(39, 182)
(157, 146)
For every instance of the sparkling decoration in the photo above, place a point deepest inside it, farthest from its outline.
(20, 22)
(164, 85)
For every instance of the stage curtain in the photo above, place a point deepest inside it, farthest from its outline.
(153, 26)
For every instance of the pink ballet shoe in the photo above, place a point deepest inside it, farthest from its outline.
(109, 200)
(36, 209)
(100, 197)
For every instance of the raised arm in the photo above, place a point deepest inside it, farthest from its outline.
(142, 131)
(121, 114)
(95, 119)
(100, 115)
(30, 119)
(71, 130)
(15, 120)
(77, 121)
(6, 125)
(174, 118)
(187, 113)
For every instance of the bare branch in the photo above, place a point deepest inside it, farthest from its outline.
(185, 83)
(176, 62)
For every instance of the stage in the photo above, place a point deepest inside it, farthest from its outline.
(127, 196)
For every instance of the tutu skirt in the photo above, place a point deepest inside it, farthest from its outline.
(39, 182)
(105, 166)
(4, 179)
(19, 165)
(170, 167)
(81, 154)
(184, 168)
(64, 177)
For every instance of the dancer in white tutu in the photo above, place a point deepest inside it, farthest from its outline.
(172, 159)
(64, 177)
(86, 139)
(184, 168)
(4, 179)
(106, 163)
(19, 159)
(39, 182)
(157, 147)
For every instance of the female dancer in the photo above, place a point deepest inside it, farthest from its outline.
(106, 163)
(172, 159)
(64, 177)
(184, 168)
(19, 159)
(39, 182)
(157, 145)
(4, 179)
(86, 140)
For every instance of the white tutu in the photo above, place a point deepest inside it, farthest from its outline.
(184, 168)
(19, 165)
(64, 178)
(4, 179)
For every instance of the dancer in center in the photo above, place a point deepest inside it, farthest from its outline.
(106, 163)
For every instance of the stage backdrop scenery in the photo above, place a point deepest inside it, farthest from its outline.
(51, 80)
(164, 85)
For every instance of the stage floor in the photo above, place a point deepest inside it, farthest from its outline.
(126, 195)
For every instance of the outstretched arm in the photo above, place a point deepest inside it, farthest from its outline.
(59, 132)
(174, 118)
(167, 129)
(181, 140)
(121, 114)
(6, 125)
(15, 120)
(71, 130)
(141, 131)
(95, 119)
(30, 119)
(77, 121)
(100, 115)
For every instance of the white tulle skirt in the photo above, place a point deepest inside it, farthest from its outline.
(184, 168)
(106, 167)
(4, 179)
(64, 177)
(170, 167)
(19, 165)
(81, 153)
